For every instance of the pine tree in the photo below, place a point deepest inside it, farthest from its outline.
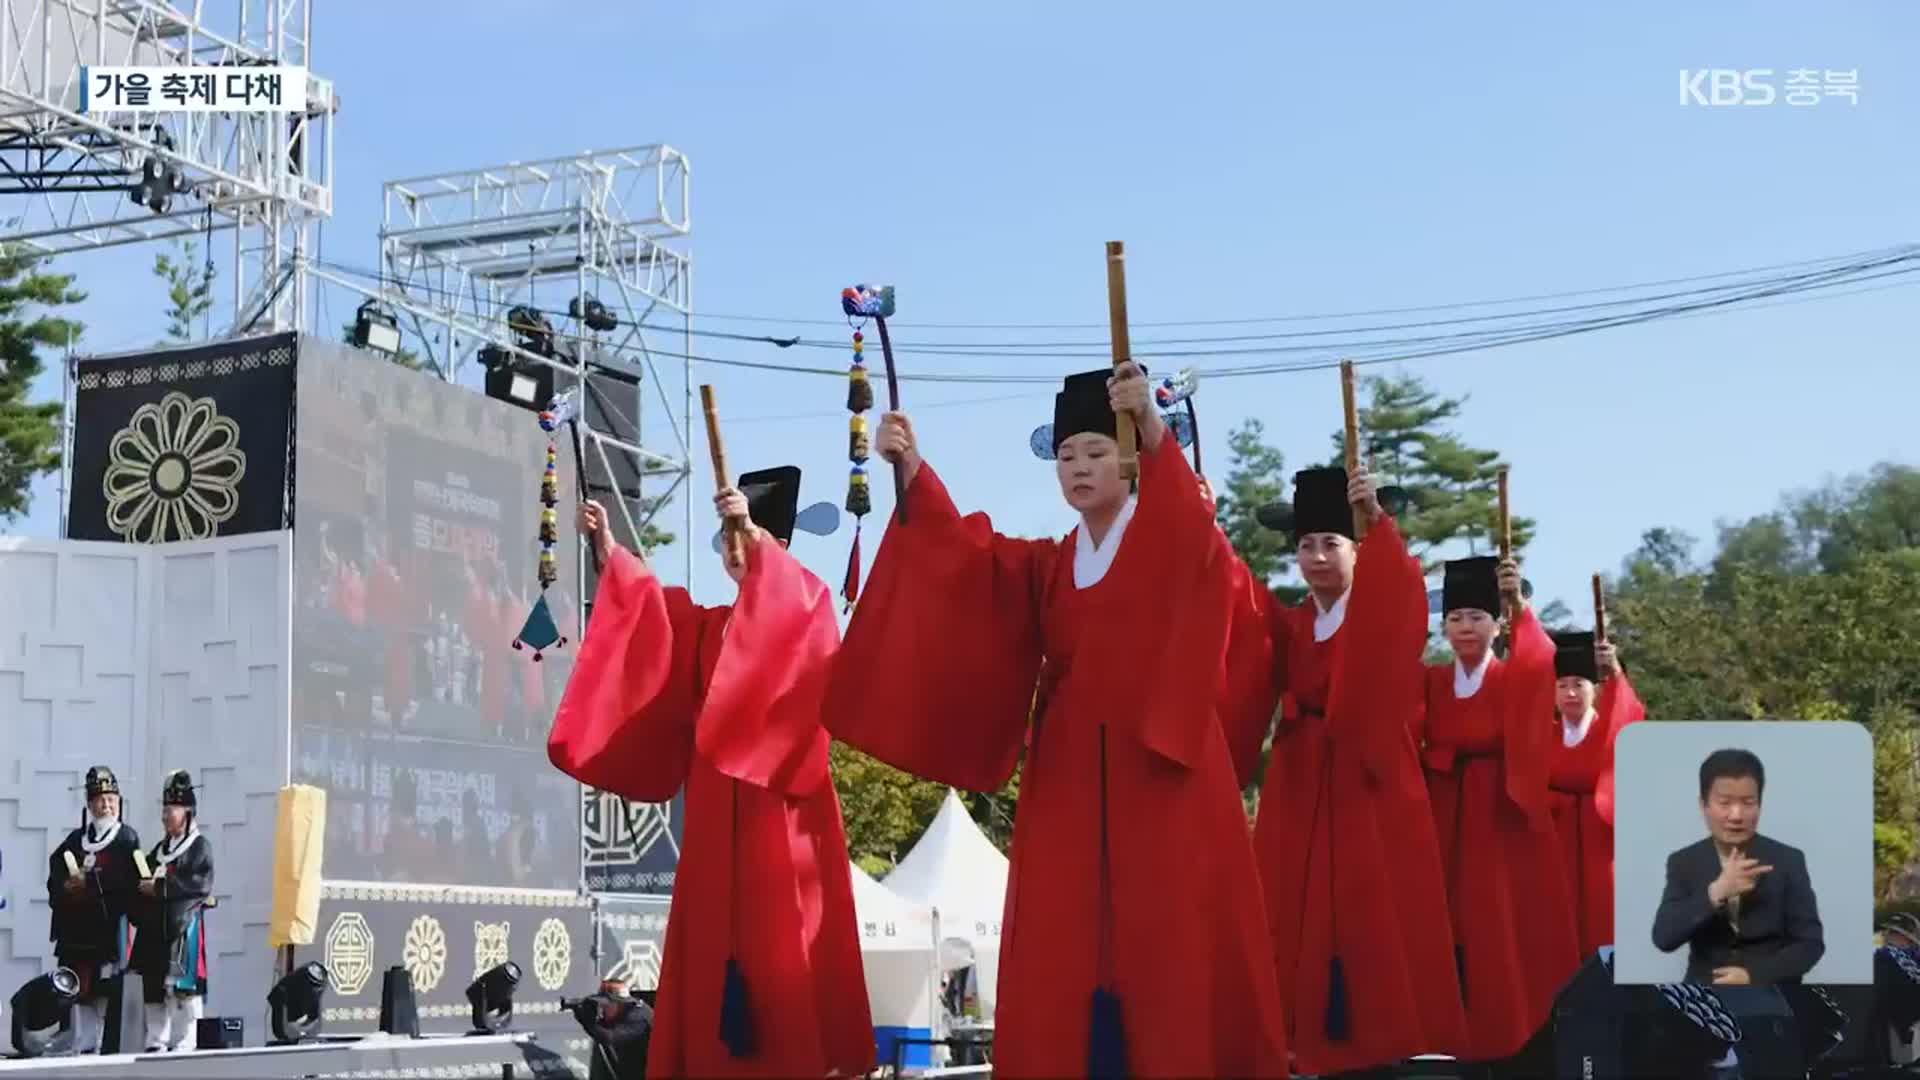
(29, 431)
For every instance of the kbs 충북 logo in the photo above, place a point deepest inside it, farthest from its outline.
(1800, 87)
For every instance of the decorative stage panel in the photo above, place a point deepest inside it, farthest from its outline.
(146, 659)
(183, 444)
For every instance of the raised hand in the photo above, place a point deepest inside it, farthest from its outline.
(1362, 494)
(896, 444)
(1605, 661)
(1510, 584)
(1737, 878)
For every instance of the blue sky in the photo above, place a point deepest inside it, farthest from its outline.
(1258, 159)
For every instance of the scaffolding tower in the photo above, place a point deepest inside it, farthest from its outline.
(265, 176)
(594, 246)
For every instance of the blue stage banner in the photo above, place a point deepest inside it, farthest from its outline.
(630, 848)
(632, 935)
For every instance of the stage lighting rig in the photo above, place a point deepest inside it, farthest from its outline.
(492, 998)
(376, 328)
(40, 1007)
(293, 1005)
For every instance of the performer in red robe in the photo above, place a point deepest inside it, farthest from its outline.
(1488, 753)
(1133, 928)
(1583, 756)
(762, 973)
(1348, 857)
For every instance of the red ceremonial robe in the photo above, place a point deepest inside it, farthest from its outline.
(1348, 856)
(937, 676)
(1487, 759)
(1586, 833)
(727, 701)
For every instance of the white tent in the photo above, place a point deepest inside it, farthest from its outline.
(958, 872)
(899, 943)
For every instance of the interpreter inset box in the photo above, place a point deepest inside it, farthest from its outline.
(1743, 853)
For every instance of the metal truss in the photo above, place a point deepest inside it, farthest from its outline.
(265, 173)
(459, 251)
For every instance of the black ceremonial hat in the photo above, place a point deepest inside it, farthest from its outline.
(773, 498)
(1573, 655)
(1320, 504)
(773, 502)
(1471, 583)
(101, 781)
(178, 790)
(1083, 406)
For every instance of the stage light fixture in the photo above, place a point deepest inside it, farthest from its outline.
(526, 383)
(293, 1005)
(531, 330)
(590, 310)
(376, 328)
(40, 1007)
(1676, 1029)
(492, 998)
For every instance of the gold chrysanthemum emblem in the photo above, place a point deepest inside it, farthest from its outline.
(173, 473)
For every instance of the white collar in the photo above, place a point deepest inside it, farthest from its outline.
(1091, 561)
(170, 849)
(1571, 734)
(1467, 683)
(90, 845)
(1327, 621)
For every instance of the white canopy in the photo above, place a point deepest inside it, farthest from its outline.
(958, 872)
(899, 947)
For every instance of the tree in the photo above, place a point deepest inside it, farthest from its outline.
(189, 289)
(1452, 487)
(885, 810)
(652, 537)
(406, 358)
(29, 431)
(1256, 476)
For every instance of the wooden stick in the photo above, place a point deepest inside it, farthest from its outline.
(1352, 440)
(893, 403)
(1506, 536)
(721, 477)
(1599, 613)
(1122, 353)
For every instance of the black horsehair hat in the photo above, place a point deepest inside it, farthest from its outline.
(1320, 504)
(1573, 655)
(101, 781)
(1082, 407)
(178, 790)
(773, 502)
(1471, 583)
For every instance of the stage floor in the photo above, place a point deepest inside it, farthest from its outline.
(369, 1056)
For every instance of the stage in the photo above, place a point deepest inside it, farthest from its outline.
(515, 1054)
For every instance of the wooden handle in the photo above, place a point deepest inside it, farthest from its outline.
(718, 452)
(1506, 536)
(1122, 352)
(1352, 440)
(1599, 613)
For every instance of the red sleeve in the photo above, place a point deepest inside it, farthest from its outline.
(937, 672)
(625, 720)
(1249, 679)
(760, 722)
(1378, 691)
(1191, 584)
(1618, 707)
(1527, 701)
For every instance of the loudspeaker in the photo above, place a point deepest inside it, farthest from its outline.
(220, 1033)
(1588, 1018)
(399, 1014)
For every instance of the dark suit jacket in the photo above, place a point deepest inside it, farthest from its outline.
(1779, 937)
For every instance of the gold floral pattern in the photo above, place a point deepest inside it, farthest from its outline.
(489, 946)
(426, 953)
(174, 471)
(552, 954)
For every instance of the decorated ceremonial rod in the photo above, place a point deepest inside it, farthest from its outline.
(721, 479)
(1122, 352)
(1353, 441)
(1506, 539)
(1599, 612)
(893, 404)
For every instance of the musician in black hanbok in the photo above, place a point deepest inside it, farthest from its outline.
(170, 948)
(91, 880)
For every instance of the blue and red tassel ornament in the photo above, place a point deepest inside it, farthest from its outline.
(859, 500)
(540, 632)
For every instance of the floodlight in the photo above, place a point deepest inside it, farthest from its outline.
(492, 997)
(293, 1006)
